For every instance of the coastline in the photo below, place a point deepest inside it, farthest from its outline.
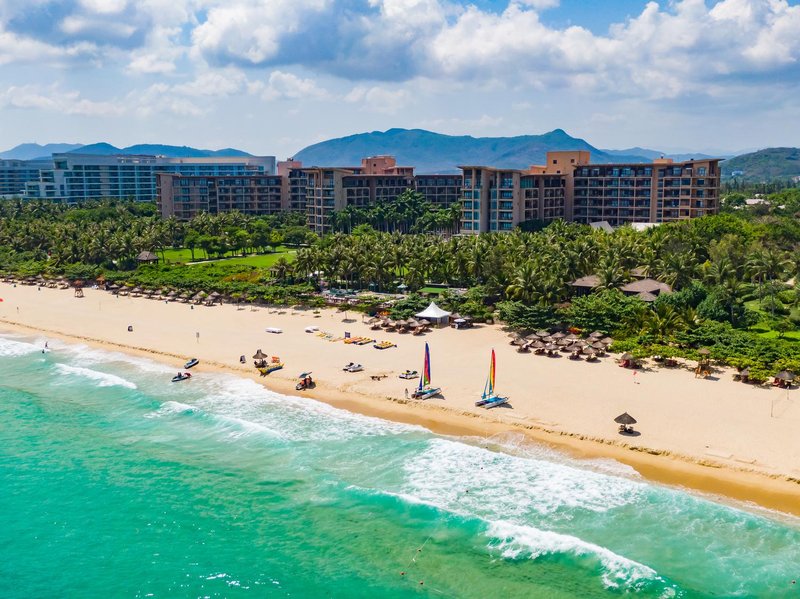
(739, 480)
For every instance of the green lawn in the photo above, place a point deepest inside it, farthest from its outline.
(261, 260)
(764, 329)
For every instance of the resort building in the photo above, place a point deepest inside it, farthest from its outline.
(15, 174)
(572, 188)
(184, 196)
(499, 200)
(74, 177)
(378, 179)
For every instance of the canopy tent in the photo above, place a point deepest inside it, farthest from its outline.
(434, 314)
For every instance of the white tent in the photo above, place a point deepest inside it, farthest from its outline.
(434, 314)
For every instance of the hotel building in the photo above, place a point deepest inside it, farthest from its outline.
(75, 177)
(571, 188)
(15, 174)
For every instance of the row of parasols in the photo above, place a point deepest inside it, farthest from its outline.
(40, 281)
(166, 294)
(392, 325)
(544, 341)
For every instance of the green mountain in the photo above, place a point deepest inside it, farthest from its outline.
(437, 153)
(764, 165)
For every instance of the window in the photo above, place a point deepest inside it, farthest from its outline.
(555, 161)
(701, 171)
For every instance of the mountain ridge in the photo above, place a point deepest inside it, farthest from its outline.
(432, 152)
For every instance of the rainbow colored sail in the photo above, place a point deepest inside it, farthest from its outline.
(425, 377)
(488, 390)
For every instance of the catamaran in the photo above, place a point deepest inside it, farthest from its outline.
(490, 399)
(424, 391)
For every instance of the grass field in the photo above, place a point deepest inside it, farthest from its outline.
(764, 328)
(260, 260)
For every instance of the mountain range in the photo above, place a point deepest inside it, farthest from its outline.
(32, 151)
(433, 152)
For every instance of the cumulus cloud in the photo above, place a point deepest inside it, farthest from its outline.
(683, 48)
(55, 99)
(287, 86)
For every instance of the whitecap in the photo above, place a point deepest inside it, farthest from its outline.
(516, 541)
(448, 474)
(102, 378)
(11, 347)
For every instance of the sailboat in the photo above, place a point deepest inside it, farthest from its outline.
(490, 399)
(424, 391)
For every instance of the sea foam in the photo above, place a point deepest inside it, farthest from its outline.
(103, 379)
(11, 347)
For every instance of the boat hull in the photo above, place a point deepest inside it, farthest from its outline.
(491, 401)
(426, 393)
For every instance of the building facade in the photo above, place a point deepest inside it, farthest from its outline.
(16, 174)
(660, 192)
(76, 177)
(185, 196)
(569, 187)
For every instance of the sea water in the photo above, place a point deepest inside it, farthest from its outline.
(115, 482)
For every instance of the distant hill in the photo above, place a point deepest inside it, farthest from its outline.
(105, 149)
(764, 165)
(32, 151)
(653, 154)
(437, 153)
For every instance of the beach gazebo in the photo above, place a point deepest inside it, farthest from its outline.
(626, 422)
(147, 258)
(435, 315)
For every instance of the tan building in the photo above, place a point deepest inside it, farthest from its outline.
(571, 188)
(187, 196)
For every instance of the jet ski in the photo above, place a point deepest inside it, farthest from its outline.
(192, 362)
(181, 376)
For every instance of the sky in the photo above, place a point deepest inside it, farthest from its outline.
(273, 76)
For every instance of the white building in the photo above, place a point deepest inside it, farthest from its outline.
(75, 177)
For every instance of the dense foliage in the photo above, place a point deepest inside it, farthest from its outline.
(734, 275)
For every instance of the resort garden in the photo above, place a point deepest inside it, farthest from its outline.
(727, 282)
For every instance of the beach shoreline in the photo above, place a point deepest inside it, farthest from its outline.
(42, 313)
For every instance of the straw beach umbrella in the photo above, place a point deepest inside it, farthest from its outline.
(625, 419)
(259, 355)
(785, 375)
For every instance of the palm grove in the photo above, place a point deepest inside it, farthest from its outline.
(734, 275)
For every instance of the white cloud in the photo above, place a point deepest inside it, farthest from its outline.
(55, 99)
(379, 99)
(287, 86)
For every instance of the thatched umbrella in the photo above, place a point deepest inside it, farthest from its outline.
(626, 356)
(520, 341)
(172, 294)
(551, 347)
(607, 340)
(785, 375)
(542, 333)
(563, 342)
(136, 290)
(539, 344)
(425, 322)
(589, 351)
(575, 347)
(703, 352)
(596, 335)
(625, 419)
(745, 373)
(598, 345)
(260, 355)
(558, 335)
(571, 336)
(532, 337)
(373, 320)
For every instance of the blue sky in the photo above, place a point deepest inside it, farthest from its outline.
(272, 76)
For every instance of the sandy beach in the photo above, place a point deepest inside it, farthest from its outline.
(714, 435)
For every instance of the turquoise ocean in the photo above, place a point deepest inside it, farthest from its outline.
(115, 482)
